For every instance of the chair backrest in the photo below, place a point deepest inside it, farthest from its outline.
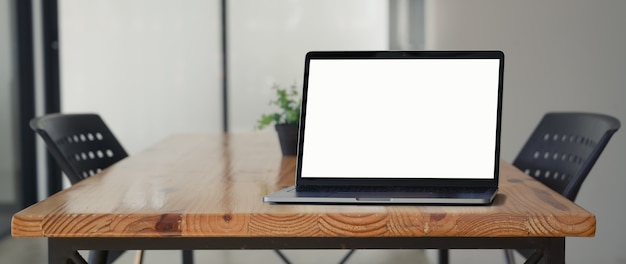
(81, 144)
(564, 147)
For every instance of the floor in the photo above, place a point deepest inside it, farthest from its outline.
(6, 212)
(5, 224)
(33, 250)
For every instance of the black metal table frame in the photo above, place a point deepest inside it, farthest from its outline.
(549, 249)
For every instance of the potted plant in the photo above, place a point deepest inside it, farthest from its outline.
(286, 119)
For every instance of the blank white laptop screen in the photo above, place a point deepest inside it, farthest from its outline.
(402, 118)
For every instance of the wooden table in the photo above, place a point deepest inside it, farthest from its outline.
(205, 192)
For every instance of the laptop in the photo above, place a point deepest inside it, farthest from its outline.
(398, 127)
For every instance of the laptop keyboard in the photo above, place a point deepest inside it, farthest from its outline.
(386, 189)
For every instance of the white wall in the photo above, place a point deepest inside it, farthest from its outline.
(268, 41)
(151, 68)
(561, 55)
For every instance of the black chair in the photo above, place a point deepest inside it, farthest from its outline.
(561, 152)
(83, 145)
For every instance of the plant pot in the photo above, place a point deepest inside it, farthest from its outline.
(288, 137)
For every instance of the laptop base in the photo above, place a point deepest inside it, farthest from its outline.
(465, 196)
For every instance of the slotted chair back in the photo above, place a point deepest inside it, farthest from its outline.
(81, 144)
(564, 147)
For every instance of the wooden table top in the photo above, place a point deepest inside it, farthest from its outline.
(212, 186)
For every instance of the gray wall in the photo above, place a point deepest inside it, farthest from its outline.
(7, 82)
(561, 55)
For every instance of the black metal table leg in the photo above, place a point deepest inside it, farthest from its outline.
(187, 256)
(554, 251)
(444, 256)
(60, 252)
(98, 257)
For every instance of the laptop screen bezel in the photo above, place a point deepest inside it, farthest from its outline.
(324, 181)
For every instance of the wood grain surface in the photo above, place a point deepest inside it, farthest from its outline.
(212, 186)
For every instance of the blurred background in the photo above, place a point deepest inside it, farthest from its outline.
(152, 68)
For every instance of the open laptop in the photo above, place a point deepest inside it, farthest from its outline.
(397, 127)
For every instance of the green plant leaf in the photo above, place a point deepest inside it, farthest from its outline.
(288, 103)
